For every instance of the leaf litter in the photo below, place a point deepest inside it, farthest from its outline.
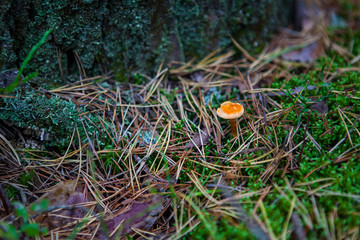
(146, 184)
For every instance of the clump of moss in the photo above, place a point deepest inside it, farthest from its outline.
(50, 119)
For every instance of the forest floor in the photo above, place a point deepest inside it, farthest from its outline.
(150, 158)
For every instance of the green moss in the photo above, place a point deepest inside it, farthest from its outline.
(27, 177)
(344, 175)
(224, 230)
(12, 192)
(340, 196)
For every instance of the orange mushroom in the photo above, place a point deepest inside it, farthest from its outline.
(231, 111)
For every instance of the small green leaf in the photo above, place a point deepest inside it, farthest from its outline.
(8, 232)
(31, 229)
(21, 211)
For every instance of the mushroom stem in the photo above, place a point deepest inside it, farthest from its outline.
(233, 127)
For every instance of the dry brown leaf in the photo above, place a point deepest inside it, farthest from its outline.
(306, 54)
(138, 214)
(63, 194)
(321, 107)
(199, 140)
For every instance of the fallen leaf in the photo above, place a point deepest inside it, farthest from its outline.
(321, 107)
(306, 54)
(199, 140)
(298, 90)
(138, 214)
(63, 194)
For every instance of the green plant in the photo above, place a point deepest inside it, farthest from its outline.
(26, 227)
(18, 79)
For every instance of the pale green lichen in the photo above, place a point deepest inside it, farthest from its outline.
(48, 119)
(126, 35)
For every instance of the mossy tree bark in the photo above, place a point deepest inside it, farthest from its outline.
(127, 35)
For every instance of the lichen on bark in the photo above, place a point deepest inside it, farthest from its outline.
(102, 35)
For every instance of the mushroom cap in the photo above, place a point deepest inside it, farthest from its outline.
(229, 110)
